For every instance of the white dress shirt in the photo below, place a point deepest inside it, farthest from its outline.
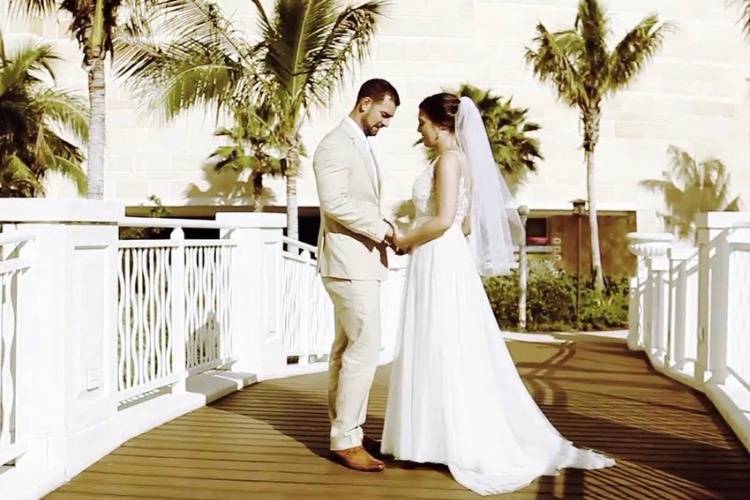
(362, 138)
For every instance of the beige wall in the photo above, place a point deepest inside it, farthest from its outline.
(694, 95)
(616, 259)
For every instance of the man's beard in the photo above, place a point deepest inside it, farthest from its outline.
(372, 131)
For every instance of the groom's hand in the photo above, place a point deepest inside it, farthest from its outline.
(390, 233)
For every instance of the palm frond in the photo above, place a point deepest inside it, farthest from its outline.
(73, 171)
(16, 170)
(199, 85)
(203, 22)
(93, 23)
(550, 63)
(515, 152)
(690, 187)
(734, 206)
(63, 148)
(746, 16)
(348, 42)
(201, 61)
(176, 77)
(32, 115)
(66, 110)
(591, 26)
(28, 63)
(636, 48)
(36, 8)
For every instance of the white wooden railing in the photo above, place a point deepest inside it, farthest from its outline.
(105, 338)
(738, 306)
(11, 266)
(174, 305)
(307, 322)
(689, 311)
(308, 326)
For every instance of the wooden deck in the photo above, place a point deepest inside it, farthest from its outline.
(270, 440)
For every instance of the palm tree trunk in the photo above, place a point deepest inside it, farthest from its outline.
(257, 191)
(292, 209)
(591, 136)
(290, 168)
(596, 256)
(97, 130)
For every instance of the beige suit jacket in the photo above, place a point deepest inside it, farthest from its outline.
(352, 229)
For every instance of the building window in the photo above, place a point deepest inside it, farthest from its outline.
(537, 231)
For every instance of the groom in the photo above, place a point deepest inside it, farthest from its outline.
(352, 261)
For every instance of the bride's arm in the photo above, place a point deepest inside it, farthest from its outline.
(466, 225)
(447, 175)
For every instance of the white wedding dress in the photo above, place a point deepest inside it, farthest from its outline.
(455, 395)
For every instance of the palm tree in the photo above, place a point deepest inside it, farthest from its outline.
(95, 24)
(35, 116)
(584, 71)
(306, 48)
(691, 187)
(252, 146)
(515, 152)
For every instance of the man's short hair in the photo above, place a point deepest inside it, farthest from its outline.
(377, 89)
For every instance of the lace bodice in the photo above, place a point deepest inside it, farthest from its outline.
(424, 196)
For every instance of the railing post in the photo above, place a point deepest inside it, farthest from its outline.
(713, 305)
(637, 306)
(652, 248)
(305, 307)
(523, 271)
(256, 287)
(178, 302)
(69, 384)
(656, 334)
(683, 305)
(713, 284)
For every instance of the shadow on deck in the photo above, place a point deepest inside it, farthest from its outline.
(269, 441)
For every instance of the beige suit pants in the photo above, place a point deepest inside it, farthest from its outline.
(354, 357)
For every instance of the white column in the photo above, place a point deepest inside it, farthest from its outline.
(650, 333)
(256, 292)
(637, 304)
(658, 268)
(713, 284)
(177, 296)
(683, 318)
(69, 383)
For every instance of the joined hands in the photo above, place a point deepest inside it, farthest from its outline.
(395, 239)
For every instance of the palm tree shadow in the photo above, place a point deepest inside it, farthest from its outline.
(612, 422)
(288, 400)
(693, 453)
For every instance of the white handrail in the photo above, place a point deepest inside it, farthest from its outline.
(14, 237)
(304, 246)
(173, 223)
(688, 314)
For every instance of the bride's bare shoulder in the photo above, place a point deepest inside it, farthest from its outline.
(453, 158)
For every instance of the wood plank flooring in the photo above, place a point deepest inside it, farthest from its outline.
(269, 441)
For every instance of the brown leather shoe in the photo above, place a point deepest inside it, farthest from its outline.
(372, 446)
(357, 458)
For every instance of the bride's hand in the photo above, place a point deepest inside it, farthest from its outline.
(400, 242)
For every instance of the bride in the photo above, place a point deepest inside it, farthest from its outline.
(455, 395)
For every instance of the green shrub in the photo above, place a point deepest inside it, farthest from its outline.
(607, 309)
(550, 301)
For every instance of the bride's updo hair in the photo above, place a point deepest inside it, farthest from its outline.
(441, 109)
